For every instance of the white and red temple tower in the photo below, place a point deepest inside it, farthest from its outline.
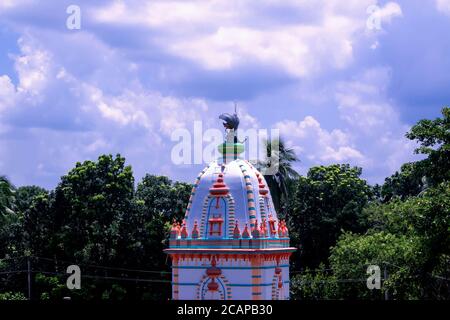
(231, 244)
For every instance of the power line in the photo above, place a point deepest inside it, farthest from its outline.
(12, 271)
(105, 267)
(163, 272)
(108, 278)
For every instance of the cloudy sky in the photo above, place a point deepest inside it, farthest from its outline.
(342, 80)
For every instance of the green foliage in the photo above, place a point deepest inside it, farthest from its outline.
(327, 201)
(115, 293)
(6, 196)
(411, 238)
(314, 285)
(90, 202)
(409, 181)
(24, 196)
(280, 159)
(434, 139)
(9, 219)
(145, 229)
(354, 253)
(50, 287)
(12, 296)
(161, 196)
(94, 217)
(413, 178)
(38, 226)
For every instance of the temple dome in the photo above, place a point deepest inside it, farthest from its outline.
(231, 191)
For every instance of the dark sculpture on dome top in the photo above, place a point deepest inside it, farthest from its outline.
(231, 120)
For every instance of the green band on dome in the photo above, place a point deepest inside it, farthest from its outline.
(231, 148)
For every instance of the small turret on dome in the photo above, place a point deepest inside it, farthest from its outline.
(236, 231)
(195, 232)
(175, 230)
(255, 232)
(219, 188)
(184, 233)
(263, 228)
(282, 229)
(245, 233)
(272, 226)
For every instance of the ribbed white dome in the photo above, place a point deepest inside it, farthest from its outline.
(243, 202)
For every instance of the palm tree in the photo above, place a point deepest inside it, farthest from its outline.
(6, 196)
(280, 158)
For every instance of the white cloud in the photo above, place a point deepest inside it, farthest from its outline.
(148, 109)
(443, 6)
(373, 121)
(165, 13)
(9, 4)
(389, 11)
(317, 144)
(132, 106)
(7, 92)
(362, 102)
(126, 113)
(97, 145)
(225, 34)
(32, 66)
(299, 50)
(33, 69)
(368, 131)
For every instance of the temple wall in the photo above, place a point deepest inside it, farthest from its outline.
(240, 279)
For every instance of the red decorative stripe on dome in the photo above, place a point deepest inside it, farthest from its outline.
(262, 187)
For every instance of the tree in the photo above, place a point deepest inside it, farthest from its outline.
(145, 229)
(90, 202)
(327, 201)
(434, 139)
(34, 234)
(407, 182)
(280, 158)
(25, 195)
(317, 284)
(410, 237)
(157, 202)
(38, 227)
(162, 196)
(415, 177)
(400, 254)
(6, 196)
(9, 220)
